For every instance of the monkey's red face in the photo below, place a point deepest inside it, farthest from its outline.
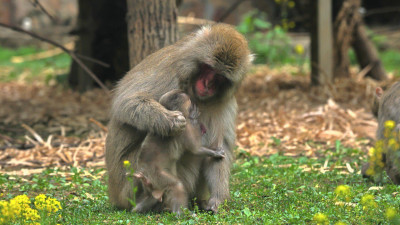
(208, 82)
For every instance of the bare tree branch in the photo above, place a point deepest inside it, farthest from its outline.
(230, 10)
(383, 10)
(37, 3)
(55, 20)
(71, 53)
(90, 59)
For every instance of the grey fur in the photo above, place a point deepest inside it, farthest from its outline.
(136, 112)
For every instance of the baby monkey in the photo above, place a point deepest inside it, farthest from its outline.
(159, 155)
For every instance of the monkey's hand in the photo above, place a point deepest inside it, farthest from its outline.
(176, 122)
(146, 114)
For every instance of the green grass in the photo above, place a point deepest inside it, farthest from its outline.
(389, 58)
(264, 190)
(30, 70)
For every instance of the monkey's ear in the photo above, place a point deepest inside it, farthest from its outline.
(251, 58)
(157, 194)
(378, 92)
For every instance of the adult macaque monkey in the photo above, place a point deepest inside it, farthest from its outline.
(386, 106)
(209, 66)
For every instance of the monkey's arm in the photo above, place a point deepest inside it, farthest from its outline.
(146, 114)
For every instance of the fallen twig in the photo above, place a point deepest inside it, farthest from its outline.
(99, 124)
(365, 70)
(34, 133)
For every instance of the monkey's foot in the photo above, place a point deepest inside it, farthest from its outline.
(219, 153)
(145, 205)
(213, 204)
(177, 210)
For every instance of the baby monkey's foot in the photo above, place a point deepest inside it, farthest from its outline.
(220, 153)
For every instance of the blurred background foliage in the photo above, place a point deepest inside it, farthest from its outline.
(276, 30)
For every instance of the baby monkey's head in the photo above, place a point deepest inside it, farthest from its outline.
(177, 100)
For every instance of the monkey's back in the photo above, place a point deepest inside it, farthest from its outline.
(389, 108)
(164, 150)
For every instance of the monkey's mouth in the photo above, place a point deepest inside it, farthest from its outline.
(208, 81)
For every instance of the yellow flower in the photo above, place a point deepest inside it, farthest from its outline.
(19, 204)
(389, 124)
(46, 203)
(299, 49)
(40, 201)
(367, 198)
(371, 152)
(320, 218)
(127, 164)
(292, 24)
(5, 211)
(277, 1)
(23, 200)
(342, 190)
(391, 213)
(17, 207)
(291, 4)
(393, 144)
(340, 223)
(379, 145)
(370, 171)
(368, 201)
(31, 214)
(380, 163)
(53, 205)
(41, 198)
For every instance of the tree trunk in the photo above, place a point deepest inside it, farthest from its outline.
(321, 43)
(367, 54)
(349, 32)
(343, 26)
(152, 24)
(102, 35)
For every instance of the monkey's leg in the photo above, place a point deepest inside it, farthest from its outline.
(391, 160)
(219, 153)
(145, 205)
(217, 174)
(146, 114)
(122, 143)
(176, 196)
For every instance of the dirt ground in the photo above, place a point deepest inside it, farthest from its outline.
(43, 126)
